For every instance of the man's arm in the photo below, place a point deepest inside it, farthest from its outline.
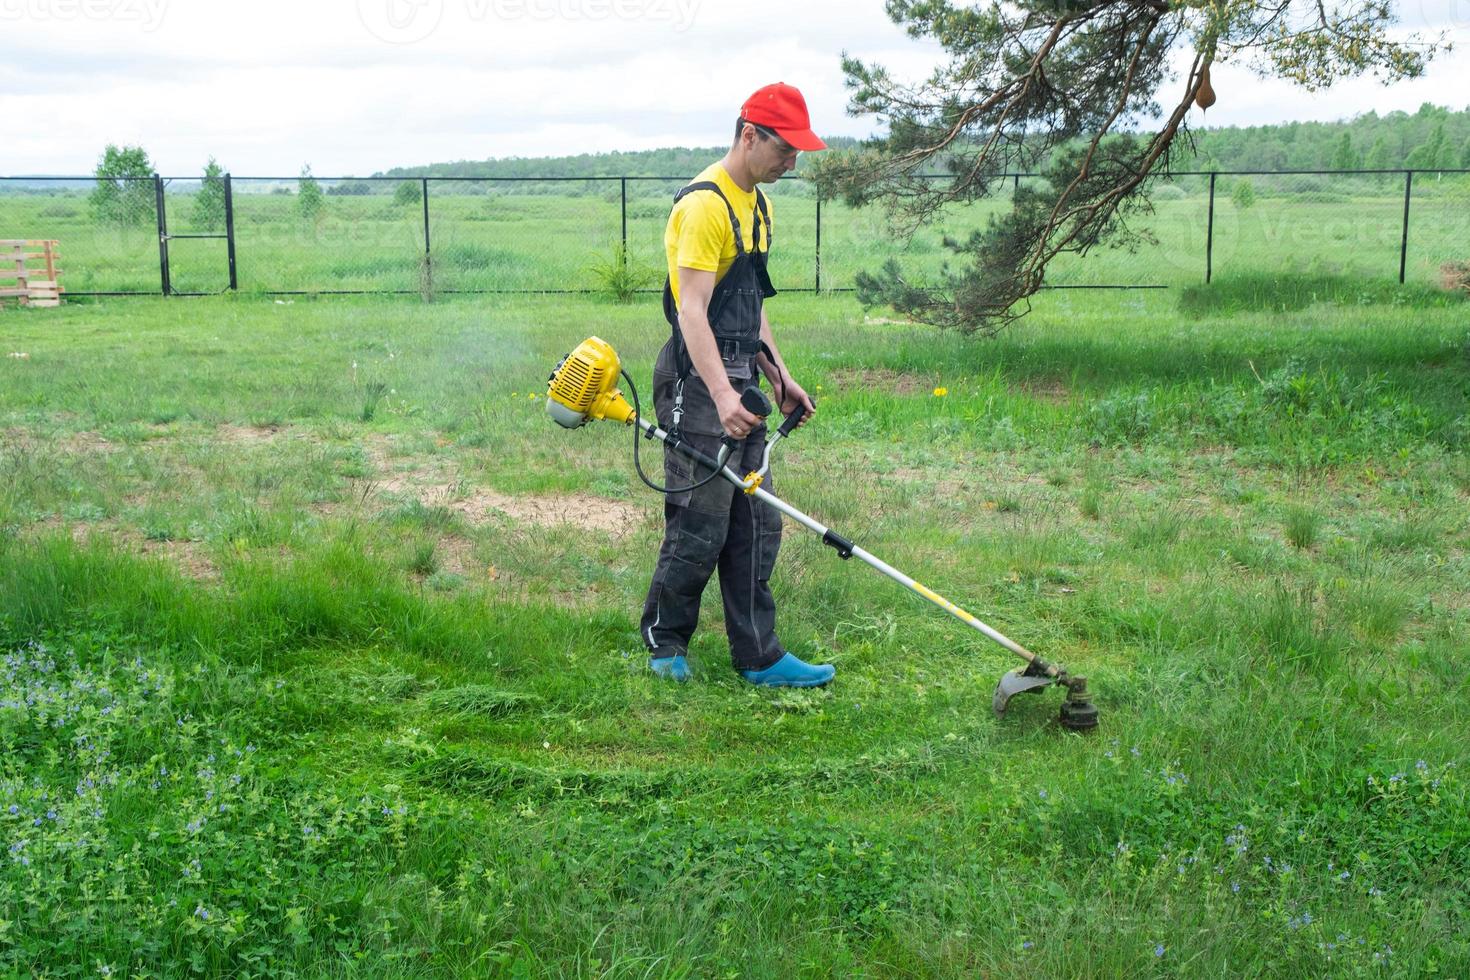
(785, 386)
(696, 286)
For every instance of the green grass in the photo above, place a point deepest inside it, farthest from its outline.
(295, 688)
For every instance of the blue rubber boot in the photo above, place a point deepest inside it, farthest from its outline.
(791, 671)
(674, 668)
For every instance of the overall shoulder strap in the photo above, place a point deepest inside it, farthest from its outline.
(763, 218)
(709, 185)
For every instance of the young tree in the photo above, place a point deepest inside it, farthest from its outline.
(1243, 195)
(308, 196)
(1380, 157)
(1433, 154)
(1082, 91)
(124, 194)
(408, 192)
(1344, 156)
(209, 203)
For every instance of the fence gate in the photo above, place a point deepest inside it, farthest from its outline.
(204, 214)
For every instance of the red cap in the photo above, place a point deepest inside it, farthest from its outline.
(780, 107)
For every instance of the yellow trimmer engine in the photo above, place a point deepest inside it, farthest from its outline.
(584, 387)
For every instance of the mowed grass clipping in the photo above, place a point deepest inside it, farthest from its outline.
(320, 650)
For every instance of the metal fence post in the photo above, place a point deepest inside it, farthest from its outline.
(819, 242)
(623, 189)
(1210, 233)
(424, 187)
(230, 231)
(167, 288)
(1404, 242)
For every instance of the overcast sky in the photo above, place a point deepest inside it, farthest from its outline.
(356, 86)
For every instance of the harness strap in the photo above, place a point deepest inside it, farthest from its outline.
(762, 216)
(760, 202)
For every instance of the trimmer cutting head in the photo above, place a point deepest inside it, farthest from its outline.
(1078, 714)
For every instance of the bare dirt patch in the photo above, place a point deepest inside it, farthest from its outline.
(939, 484)
(479, 505)
(72, 443)
(457, 556)
(188, 557)
(882, 379)
(433, 482)
(1052, 390)
(992, 475)
(247, 435)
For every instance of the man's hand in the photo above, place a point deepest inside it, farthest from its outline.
(795, 397)
(736, 420)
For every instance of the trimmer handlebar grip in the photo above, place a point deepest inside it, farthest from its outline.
(754, 401)
(791, 421)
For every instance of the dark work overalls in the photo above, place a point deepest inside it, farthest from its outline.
(717, 525)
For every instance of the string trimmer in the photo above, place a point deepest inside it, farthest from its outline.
(584, 387)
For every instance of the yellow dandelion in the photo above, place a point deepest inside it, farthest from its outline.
(515, 394)
(940, 392)
(532, 396)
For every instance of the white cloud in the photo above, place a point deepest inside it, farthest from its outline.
(269, 85)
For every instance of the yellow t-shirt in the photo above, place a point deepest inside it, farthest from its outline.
(699, 235)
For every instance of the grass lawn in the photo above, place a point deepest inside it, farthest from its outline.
(321, 653)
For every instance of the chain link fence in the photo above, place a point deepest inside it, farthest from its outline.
(281, 235)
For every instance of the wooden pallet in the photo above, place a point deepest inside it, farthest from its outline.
(38, 286)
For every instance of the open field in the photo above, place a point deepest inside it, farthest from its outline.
(1320, 225)
(321, 652)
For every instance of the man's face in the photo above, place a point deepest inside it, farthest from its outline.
(770, 155)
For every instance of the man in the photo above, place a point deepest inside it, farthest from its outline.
(716, 243)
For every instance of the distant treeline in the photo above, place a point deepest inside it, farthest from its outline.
(676, 161)
(1432, 138)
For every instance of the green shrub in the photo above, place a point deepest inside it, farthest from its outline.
(1302, 525)
(621, 277)
(409, 192)
(1089, 504)
(423, 559)
(372, 395)
(1124, 417)
(1243, 195)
